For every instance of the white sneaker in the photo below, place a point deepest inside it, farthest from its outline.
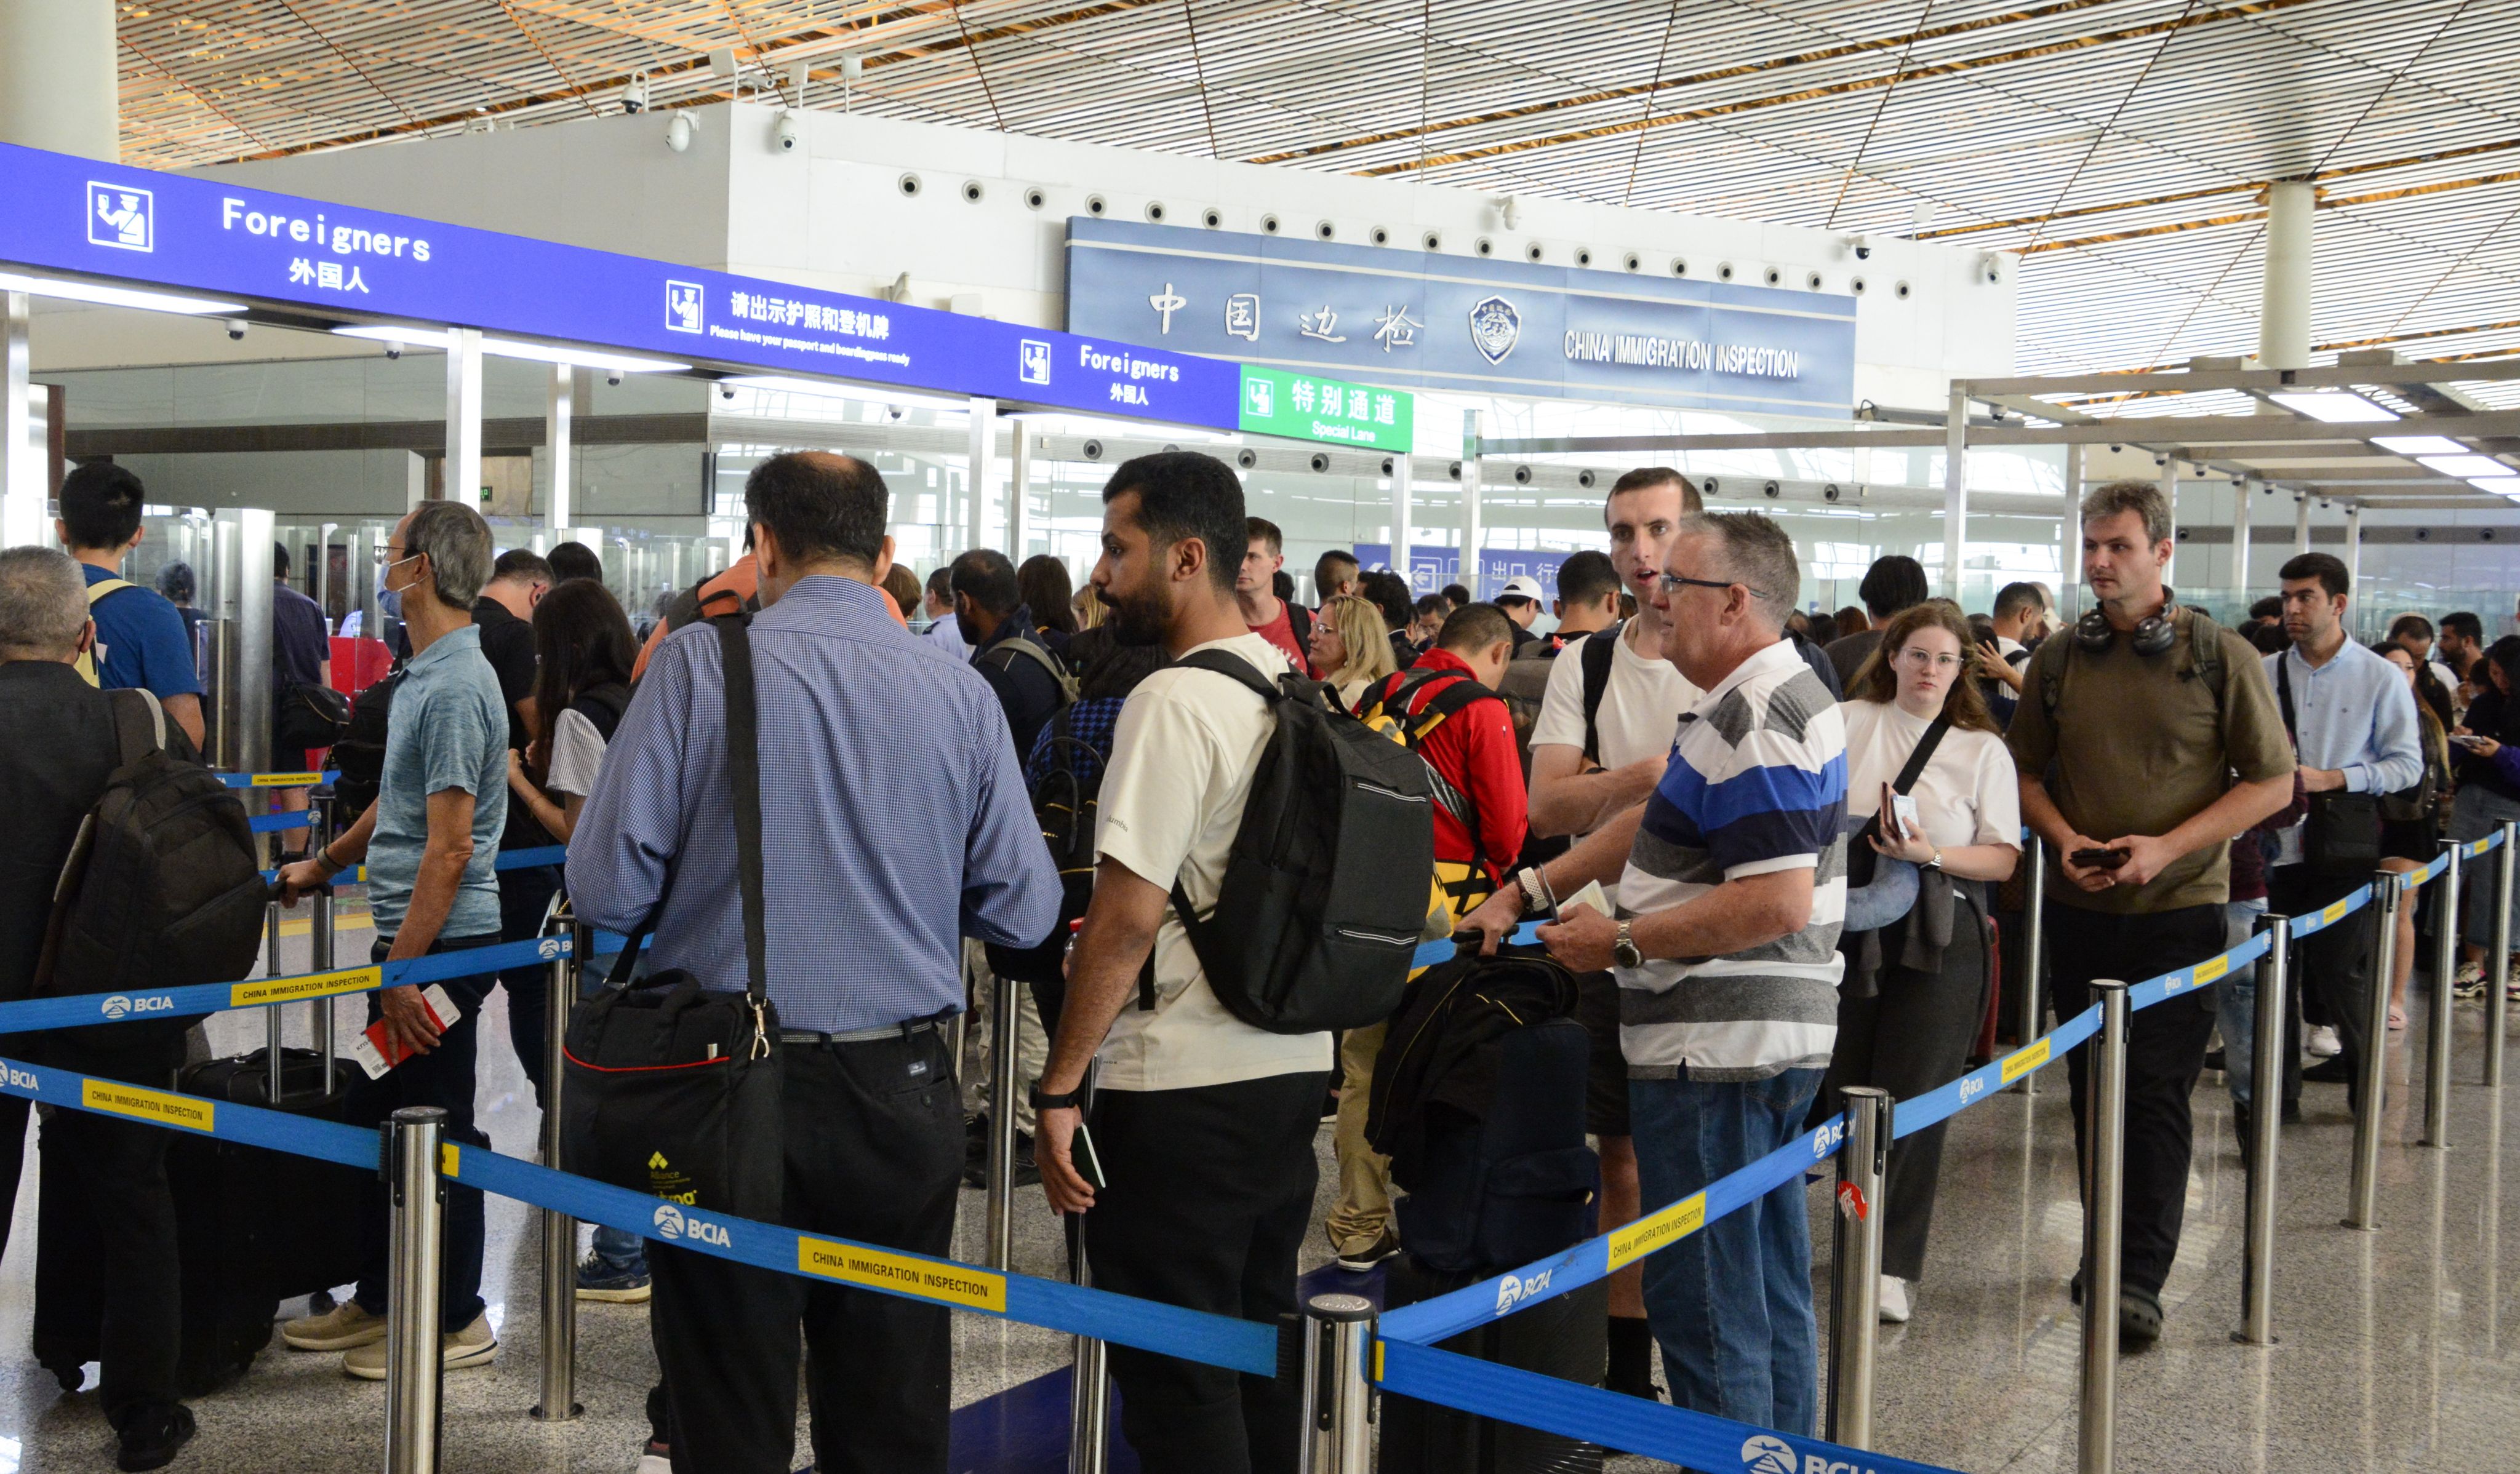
(1893, 1300)
(2323, 1044)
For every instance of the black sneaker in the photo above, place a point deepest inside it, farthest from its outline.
(152, 1434)
(976, 1170)
(1364, 1260)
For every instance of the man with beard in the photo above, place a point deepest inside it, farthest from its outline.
(1202, 1125)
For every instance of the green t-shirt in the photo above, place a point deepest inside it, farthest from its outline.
(2140, 744)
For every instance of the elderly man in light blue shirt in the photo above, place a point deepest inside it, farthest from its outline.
(2353, 725)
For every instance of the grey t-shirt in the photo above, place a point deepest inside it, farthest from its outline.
(449, 729)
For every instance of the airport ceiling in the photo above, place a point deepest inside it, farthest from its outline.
(2118, 146)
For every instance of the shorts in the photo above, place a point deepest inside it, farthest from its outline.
(1606, 1082)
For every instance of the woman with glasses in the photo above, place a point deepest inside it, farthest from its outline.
(1914, 990)
(1349, 650)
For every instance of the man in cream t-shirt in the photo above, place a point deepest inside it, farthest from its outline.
(1582, 775)
(1202, 1126)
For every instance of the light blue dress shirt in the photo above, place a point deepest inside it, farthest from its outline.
(2355, 715)
(894, 815)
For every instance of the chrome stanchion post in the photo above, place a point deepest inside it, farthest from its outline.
(1089, 1392)
(2103, 1208)
(1004, 1017)
(2034, 948)
(2499, 972)
(1338, 1400)
(2257, 1268)
(319, 935)
(415, 1262)
(1855, 1299)
(271, 1012)
(559, 1399)
(2438, 1036)
(2363, 1205)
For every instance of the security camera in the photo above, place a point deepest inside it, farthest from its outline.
(790, 131)
(1770, 488)
(1320, 462)
(634, 98)
(678, 133)
(235, 330)
(1247, 459)
(726, 391)
(613, 377)
(1509, 210)
(896, 411)
(393, 350)
(1829, 492)
(1093, 450)
(1863, 247)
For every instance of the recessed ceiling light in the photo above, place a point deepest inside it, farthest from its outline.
(2420, 445)
(2334, 406)
(2500, 486)
(113, 296)
(2467, 466)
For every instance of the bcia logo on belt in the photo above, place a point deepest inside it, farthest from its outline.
(120, 1007)
(674, 1223)
(1513, 1291)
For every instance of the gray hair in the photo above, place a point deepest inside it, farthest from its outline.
(43, 604)
(458, 543)
(1756, 552)
(2142, 498)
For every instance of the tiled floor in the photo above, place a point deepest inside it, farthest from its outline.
(2393, 1354)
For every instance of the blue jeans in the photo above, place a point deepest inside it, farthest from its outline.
(2235, 1008)
(1732, 1303)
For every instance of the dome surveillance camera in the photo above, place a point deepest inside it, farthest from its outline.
(896, 411)
(789, 132)
(393, 350)
(235, 330)
(678, 133)
(1246, 458)
(613, 377)
(1586, 479)
(1320, 462)
(1770, 488)
(1093, 450)
(634, 98)
(726, 391)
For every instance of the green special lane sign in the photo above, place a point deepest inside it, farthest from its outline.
(1307, 407)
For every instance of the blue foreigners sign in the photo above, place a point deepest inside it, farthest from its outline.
(71, 214)
(1446, 322)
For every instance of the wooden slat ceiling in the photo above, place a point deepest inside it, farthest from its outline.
(2118, 145)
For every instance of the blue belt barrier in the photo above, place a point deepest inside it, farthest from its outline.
(1633, 1425)
(264, 824)
(508, 860)
(275, 780)
(1247, 1346)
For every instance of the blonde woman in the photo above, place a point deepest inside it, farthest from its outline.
(1350, 648)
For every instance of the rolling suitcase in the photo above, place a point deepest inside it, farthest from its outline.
(1562, 1337)
(253, 1227)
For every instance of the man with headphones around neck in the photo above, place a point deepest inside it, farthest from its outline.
(2154, 728)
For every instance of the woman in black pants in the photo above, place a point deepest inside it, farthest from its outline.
(1914, 990)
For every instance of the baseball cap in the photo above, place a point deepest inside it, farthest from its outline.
(1523, 587)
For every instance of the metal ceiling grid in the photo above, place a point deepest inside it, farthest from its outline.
(2118, 145)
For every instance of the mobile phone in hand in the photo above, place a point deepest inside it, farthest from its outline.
(1089, 1164)
(2099, 859)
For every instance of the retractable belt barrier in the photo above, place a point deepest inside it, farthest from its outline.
(1247, 1346)
(275, 780)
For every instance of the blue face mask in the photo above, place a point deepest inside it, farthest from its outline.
(388, 601)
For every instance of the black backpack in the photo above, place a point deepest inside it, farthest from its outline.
(162, 888)
(1308, 932)
(1065, 803)
(359, 755)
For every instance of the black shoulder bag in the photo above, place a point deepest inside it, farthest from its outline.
(1861, 857)
(2342, 834)
(673, 1088)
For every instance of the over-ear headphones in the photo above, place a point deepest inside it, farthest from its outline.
(2155, 634)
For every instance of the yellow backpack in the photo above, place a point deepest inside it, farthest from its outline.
(88, 668)
(1459, 887)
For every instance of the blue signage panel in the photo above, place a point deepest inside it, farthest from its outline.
(1445, 322)
(70, 214)
(1431, 566)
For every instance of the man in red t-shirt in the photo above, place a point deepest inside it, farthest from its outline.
(1285, 625)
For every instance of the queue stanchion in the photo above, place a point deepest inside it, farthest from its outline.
(271, 1021)
(319, 937)
(2499, 975)
(2034, 948)
(2439, 1022)
(559, 1399)
(1089, 1390)
(2104, 1210)
(1855, 1296)
(413, 1369)
(2363, 1206)
(1338, 1400)
(1004, 1018)
(2257, 1268)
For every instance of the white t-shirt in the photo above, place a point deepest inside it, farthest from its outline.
(578, 751)
(1641, 707)
(1183, 754)
(1967, 794)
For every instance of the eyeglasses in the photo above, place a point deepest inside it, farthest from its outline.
(1673, 583)
(1918, 658)
(384, 561)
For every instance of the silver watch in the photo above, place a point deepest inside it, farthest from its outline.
(1624, 950)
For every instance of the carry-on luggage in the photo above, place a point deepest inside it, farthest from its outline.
(1563, 1337)
(253, 1227)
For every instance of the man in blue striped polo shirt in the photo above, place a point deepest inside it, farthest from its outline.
(1731, 885)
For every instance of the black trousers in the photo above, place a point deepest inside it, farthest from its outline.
(1210, 1189)
(2334, 963)
(1911, 1035)
(874, 1150)
(119, 1168)
(523, 896)
(2165, 1055)
(13, 1157)
(443, 1077)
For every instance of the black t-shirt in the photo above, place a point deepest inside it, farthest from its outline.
(508, 644)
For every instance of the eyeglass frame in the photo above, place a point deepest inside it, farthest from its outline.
(1673, 583)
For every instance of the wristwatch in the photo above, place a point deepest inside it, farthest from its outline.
(1936, 863)
(1042, 1101)
(1623, 949)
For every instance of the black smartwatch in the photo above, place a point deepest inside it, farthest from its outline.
(1043, 1102)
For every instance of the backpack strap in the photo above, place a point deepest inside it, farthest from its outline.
(1300, 625)
(139, 724)
(1040, 656)
(1599, 651)
(1235, 667)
